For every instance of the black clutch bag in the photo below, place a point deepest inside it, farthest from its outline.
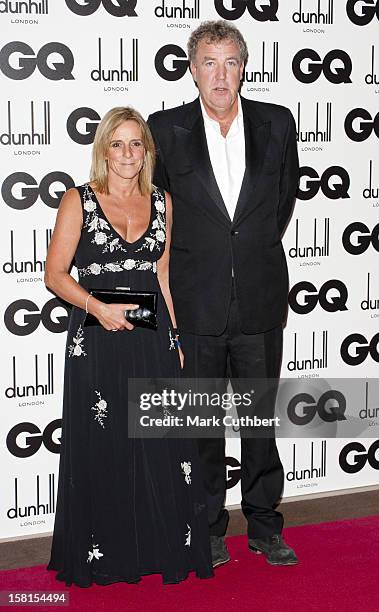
(144, 316)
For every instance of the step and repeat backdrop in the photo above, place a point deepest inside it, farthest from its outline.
(63, 64)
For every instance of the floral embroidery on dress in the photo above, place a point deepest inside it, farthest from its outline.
(103, 235)
(94, 553)
(118, 266)
(188, 536)
(186, 469)
(158, 228)
(100, 409)
(171, 338)
(77, 349)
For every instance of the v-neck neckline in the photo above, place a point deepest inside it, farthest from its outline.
(114, 229)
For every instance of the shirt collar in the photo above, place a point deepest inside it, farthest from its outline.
(237, 121)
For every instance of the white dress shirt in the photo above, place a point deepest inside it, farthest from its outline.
(227, 155)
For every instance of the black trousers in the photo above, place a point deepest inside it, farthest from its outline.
(244, 356)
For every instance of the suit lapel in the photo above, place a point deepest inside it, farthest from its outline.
(257, 134)
(202, 165)
(193, 151)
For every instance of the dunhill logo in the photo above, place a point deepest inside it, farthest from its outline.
(312, 471)
(15, 265)
(366, 412)
(319, 248)
(263, 75)
(372, 78)
(368, 303)
(37, 508)
(315, 135)
(370, 192)
(178, 12)
(120, 74)
(325, 18)
(314, 363)
(37, 388)
(32, 137)
(28, 8)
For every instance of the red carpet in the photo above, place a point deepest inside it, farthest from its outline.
(337, 571)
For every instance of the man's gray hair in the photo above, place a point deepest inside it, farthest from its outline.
(215, 32)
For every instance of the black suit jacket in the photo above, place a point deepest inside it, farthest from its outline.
(206, 245)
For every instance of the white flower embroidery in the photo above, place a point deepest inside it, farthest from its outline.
(100, 409)
(94, 553)
(100, 238)
(172, 346)
(145, 265)
(77, 349)
(113, 267)
(129, 264)
(95, 268)
(89, 205)
(118, 266)
(186, 469)
(159, 205)
(188, 536)
(157, 234)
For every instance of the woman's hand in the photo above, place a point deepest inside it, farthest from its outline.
(112, 316)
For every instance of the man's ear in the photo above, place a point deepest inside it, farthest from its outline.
(242, 68)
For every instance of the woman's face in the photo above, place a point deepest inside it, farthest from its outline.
(126, 152)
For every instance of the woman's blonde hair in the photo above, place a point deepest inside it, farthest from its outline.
(109, 123)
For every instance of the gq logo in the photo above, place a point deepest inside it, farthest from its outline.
(21, 445)
(27, 61)
(311, 297)
(360, 457)
(87, 136)
(315, 66)
(117, 8)
(30, 192)
(52, 321)
(364, 238)
(333, 191)
(261, 10)
(362, 350)
(362, 12)
(367, 126)
(311, 407)
(179, 65)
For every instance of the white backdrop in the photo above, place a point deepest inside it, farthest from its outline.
(63, 64)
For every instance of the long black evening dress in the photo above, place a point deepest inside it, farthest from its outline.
(126, 507)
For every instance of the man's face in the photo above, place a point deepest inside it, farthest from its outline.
(217, 71)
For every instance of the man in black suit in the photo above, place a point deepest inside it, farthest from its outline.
(231, 167)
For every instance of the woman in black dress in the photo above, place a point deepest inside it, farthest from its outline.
(126, 507)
